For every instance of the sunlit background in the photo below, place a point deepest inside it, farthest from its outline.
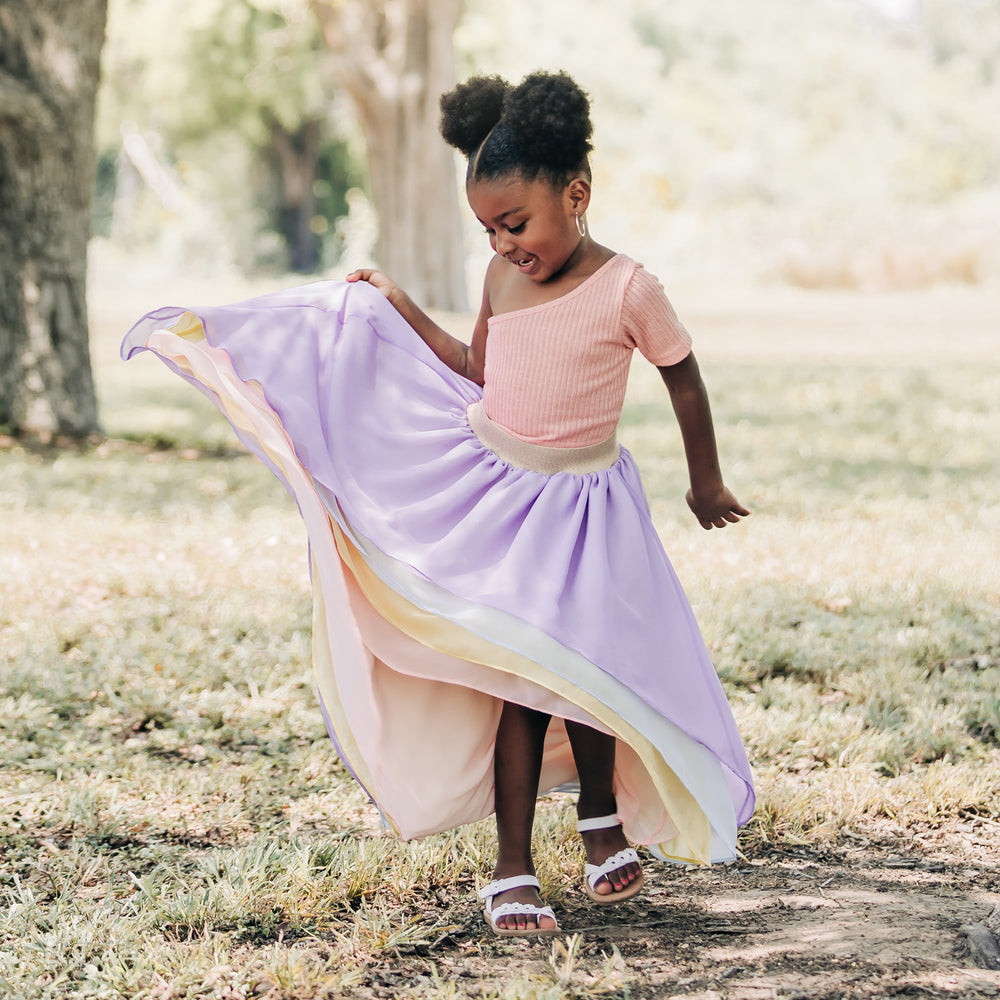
(813, 143)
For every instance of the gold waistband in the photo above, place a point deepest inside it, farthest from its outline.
(541, 457)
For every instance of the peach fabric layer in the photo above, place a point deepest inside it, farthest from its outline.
(556, 372)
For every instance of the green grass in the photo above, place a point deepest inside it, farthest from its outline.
(175, 823)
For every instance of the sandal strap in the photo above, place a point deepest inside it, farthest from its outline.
(528, 909)
(504, 884)
(624, 857)
(598, 823)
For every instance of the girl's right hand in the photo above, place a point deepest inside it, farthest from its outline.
(377, 280)
(717, 510)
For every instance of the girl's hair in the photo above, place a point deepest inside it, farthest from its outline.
(541, 127)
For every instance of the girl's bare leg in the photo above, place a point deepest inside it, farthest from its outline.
(517, 766)
(594, 754)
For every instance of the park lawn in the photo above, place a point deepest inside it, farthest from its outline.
(174, 821)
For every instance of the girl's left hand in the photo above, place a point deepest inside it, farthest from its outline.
(717, 510)
(378, 280)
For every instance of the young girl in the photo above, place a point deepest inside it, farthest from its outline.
(494, 615)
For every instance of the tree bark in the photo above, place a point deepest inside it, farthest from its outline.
(298, 159)
(395, 58)
(49, 72)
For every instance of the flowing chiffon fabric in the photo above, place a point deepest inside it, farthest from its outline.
(447, 580)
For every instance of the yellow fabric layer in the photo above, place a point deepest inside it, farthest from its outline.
(189, 327)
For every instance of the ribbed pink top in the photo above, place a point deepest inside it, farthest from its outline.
(556, 372)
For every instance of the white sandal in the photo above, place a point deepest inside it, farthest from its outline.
(594, 873)
(491, 891)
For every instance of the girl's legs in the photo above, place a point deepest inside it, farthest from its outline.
(517, 766)
(594, 754)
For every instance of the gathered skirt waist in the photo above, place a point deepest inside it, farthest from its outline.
(541, 457)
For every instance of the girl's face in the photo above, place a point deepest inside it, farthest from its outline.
(530, 223)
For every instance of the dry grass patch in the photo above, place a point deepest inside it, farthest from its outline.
(175, 823)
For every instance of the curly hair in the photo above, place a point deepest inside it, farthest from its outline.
(541, 127)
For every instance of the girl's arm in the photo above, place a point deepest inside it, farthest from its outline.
(709, 499)
(466, 359)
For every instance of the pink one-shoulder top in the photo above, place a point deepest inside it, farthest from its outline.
(556, 372)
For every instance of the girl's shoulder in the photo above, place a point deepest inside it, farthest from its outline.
(508, 300)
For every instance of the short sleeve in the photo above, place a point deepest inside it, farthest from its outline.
(649, 322)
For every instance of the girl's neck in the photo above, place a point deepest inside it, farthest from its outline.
(511, 292)
(585, 259)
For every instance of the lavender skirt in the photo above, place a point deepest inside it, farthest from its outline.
(447, 580)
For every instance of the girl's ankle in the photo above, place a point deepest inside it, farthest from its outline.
(511, 867)
(592, 808)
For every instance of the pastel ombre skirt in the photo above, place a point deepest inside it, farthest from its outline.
(451, 575)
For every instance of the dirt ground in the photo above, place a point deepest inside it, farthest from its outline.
(862, 920)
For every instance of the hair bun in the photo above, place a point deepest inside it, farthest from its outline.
(550, 116)
(471, 110)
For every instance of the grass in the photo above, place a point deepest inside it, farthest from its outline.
(175, 823)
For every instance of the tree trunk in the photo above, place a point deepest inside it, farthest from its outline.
(49, 71)
(395, 58)
(298, 160)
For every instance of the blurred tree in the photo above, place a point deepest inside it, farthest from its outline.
(49, 71)
(237, 89)
(395, 58)
(297, 155)
(258, 65)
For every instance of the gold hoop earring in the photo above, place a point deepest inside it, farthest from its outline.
(581, 226)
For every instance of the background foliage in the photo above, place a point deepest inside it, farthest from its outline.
(826, 143)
